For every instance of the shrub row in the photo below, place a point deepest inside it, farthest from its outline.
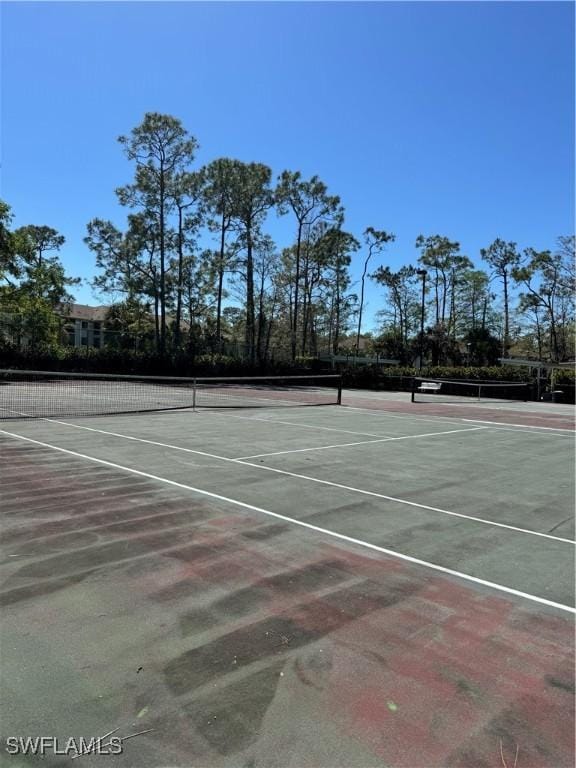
(401, 377)
(91, 360)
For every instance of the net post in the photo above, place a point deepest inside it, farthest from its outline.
(339, 398)
(194, 395)
(413, 390)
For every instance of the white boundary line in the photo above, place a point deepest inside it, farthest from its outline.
(523, 426)
(363, 442)
(495, 425)
(495, 404)
(309, 526)
(381, 412)
(264, 467)
(445, 419)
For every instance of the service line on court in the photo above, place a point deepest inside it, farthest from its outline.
(294, 424)
(492, 425)
(362, 442)
(265, 468)
(309, 526)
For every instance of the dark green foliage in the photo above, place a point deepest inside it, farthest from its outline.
(565, 376)
(310, 204)
(33, 283)
(482, 347)
(125, 361)
(399, 378)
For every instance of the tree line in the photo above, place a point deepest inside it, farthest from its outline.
(194, 267)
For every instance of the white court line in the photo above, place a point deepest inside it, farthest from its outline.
(527, 430)
(294, 424)
(266, 468)
(524, 426)
(381, 412)
(363, 442)
(447, 420)
(510, 410)
(309, 526)
(497, 425)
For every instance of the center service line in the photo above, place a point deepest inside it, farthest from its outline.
(362, 442)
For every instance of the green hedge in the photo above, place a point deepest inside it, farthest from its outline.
(565, 376)
(91, 360)
(400, 377)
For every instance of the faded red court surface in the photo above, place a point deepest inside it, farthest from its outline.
(243, 642)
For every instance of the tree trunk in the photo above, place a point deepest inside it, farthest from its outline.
(401, 318)
(444, 294)
(162, 263)
(305, 304)
(553, 338)
(553, 327)
(250, 313)
(156, 320)
(452, 322)
(269, 328)
(314, 336)
(179, 283)
(361, 303)
(337, 307)
(296, 284)
(538, 335)
(220, 283)
(309, 317)
(331, 323)
(260, 317)
(505, 342)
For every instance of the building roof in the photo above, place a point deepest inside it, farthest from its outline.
(100, 314)
(84, 312)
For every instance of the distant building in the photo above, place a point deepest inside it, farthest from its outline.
(84, 326)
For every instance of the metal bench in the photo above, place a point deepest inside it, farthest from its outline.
(430, 386)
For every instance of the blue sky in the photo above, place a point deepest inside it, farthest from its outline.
(452, 118)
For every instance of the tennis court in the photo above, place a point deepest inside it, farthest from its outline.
(377, 583)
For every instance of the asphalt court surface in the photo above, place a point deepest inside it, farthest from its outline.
(386, 584)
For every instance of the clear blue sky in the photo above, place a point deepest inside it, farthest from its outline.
(452, 118)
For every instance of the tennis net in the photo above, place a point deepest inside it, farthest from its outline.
(44, 394)
(427, 390)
